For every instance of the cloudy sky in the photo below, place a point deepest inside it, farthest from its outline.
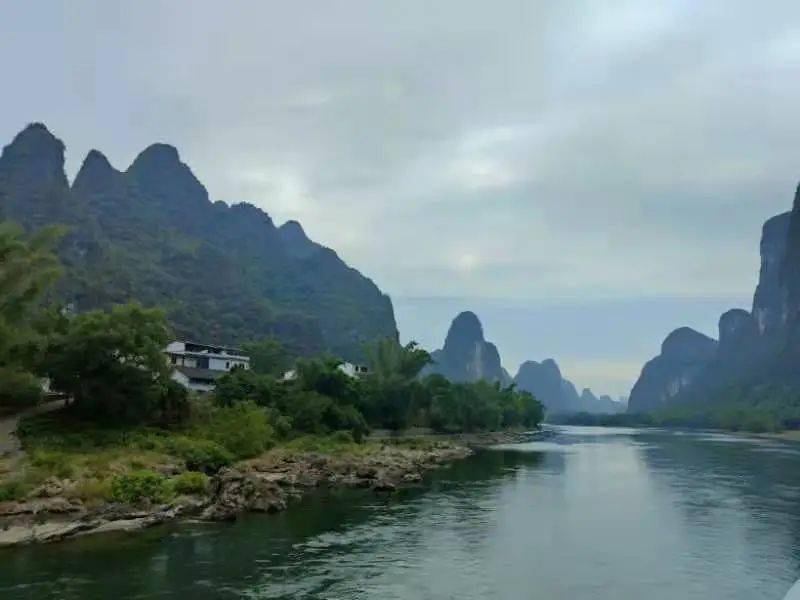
(586, 175)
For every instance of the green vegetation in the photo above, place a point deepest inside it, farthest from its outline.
(134, 487)
(128, 428)
(222, 273)
(268, 356)
(113, 366)
(190, 483)
(199, 454)
(323, 399)
(760, 409)
(28, 268)
(244, 429)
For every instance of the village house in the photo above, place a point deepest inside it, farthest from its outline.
(198, 366)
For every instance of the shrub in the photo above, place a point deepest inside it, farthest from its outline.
(18, 390)
(307, 411)
(134, 487)
(200, 455)
(54, 463)
(243, 429)
(92, 489)
(12, 490)
(190, 483)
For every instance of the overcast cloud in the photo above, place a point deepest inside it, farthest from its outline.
(527, 154)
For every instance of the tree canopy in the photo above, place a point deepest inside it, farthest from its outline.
(28, 268)
(113, 365)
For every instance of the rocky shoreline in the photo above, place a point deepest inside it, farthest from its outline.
(265, 484)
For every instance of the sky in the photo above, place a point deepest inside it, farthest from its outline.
(585, 175)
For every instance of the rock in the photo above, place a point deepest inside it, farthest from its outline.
(771, 296)
(466, 355)
(384, 485)
(367, 472)
(235, 492)
(50, 488)
(545, 382)
(685, 354)
(58, 505)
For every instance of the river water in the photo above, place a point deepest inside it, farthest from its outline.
(591, 513)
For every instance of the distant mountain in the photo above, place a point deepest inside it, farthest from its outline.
(544, 381)
(758, 347)
(600, 405)
(559, 396)
(684, 356)
(224, 273)
(466, 355)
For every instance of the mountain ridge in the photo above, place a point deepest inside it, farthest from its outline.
(224, 273)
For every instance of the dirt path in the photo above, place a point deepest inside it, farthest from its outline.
(9, 443)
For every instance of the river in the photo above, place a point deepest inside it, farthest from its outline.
(591, 513)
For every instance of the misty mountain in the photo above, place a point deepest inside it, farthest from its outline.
(756, 347)
(223, 273)
(559, 395)
(466, 356)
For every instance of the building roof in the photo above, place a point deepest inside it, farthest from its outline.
(244, 357)
(204, 374)
(214, 346)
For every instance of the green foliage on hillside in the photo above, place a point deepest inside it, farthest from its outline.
(223, 274)
(28, 268)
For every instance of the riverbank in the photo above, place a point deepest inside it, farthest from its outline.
(59, 507)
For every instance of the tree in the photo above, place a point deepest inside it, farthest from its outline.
(388, 359)
(240, 384)
(392, 395)
(112, 363)
(268, 357)
(322, 375)
(28, 268)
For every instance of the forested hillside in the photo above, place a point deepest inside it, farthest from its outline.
(223, 273)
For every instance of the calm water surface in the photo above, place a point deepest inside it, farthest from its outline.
(608, 514)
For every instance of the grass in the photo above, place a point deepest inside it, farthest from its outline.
(337, 443)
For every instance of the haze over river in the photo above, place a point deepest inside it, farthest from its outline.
(609, 514)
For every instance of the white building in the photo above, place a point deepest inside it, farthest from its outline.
(198, 366)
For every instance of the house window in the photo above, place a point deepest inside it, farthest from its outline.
(228, 364)
(174, 359)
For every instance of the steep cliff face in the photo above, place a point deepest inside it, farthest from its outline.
(223, 273)
(770, 299)
(466, 355)
(738, 336)
(760, 346)
(685, 354)
(786, 365)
